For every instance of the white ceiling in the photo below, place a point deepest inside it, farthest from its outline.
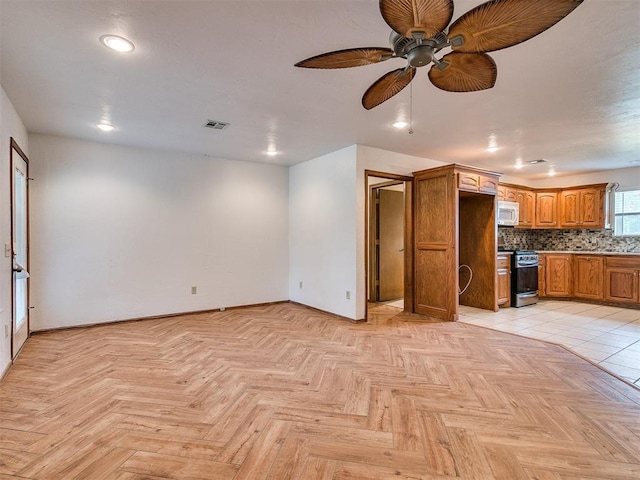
(570, 95)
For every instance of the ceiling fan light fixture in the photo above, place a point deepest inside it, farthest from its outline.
(117, 43)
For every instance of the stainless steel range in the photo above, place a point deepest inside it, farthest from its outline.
(524, 278)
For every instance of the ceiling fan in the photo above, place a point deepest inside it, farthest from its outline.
(419, 33)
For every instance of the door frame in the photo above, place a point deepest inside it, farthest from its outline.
(14, 147)
(374, 260)
(408, 236)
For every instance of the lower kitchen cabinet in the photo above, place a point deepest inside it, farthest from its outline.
(588, 275)
(606, 279)
(541, 274)
(503, 271)
(558, 275)
(621, 279)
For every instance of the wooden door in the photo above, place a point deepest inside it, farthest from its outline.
(588, 275)
(390, 225)
(546, 209)
(434, 239)
(558, 276)
(20, 248)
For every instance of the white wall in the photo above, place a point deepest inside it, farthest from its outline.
(381, 161)
(121, 233)
(10, 126)
(628, 178)
(322, 242)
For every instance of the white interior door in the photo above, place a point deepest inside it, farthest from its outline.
(20, 246)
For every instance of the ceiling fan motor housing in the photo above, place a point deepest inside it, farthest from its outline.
(418, 52)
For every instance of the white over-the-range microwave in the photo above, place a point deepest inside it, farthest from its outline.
(508, 213)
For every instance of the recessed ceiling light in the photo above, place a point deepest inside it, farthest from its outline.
(551, 173)
(493, 149)
(105, 127)
(271, 153)
(399, 124)
(119, 44)
(518, 165)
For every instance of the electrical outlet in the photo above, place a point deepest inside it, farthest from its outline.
(348, 295)
(7, 250)
(300, 283)
(6, 331)
(222, 309)
(194, 290)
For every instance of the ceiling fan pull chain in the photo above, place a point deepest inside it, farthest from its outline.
(411, 108)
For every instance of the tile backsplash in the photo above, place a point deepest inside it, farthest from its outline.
(570, 240)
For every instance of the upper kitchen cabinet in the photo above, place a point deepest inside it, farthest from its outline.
(546, 209)
(507, 194)
(587, 206)
(471, 181)
(582, 207)
(527, 203)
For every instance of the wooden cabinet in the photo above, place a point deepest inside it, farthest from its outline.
(546, 209)
(582, 208)
(575, 207)
(477, 182)
(507, 194)
(541, 274)
(454, 223)
(558, 275)
(621, 279)
(588, 275)
(503, 272)
(526, 201)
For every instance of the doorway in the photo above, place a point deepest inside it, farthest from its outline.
(388, 262)
(19, 248)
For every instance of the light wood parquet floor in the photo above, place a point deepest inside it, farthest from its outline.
(285, 392)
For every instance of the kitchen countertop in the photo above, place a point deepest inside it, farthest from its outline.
(585, 252)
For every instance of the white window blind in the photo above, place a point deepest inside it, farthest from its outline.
(627, 213)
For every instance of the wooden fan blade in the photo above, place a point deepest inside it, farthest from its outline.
(500, 24)
(386, 87)
(466, 72)
(407, 16)
(351, 57)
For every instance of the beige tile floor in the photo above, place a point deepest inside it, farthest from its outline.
(608, 336)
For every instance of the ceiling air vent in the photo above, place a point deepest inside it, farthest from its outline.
(535, 162)
(216, 125)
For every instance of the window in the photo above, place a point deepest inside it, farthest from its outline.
(627, 213)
